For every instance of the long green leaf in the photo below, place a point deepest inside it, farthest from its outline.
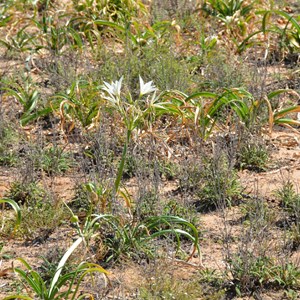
(173, 230)
(32, 278)
(288, 17)
(32, 102)
(278, 92)
(88, 268)
(26, 118)
(16, 208)
(18, 95)
(202, 94)
(154, 222)
(118, 27)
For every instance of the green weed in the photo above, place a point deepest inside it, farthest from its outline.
(212, 184)
(40, 214)
(91, 198)
(253, 156)
(28, 96)
(54, 161)
(29, 194)
(253, 273)
(288, 197)
(290, 201)
(9, 140)
(167, 287)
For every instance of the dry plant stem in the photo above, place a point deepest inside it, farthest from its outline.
(226, 232)
(122, 162)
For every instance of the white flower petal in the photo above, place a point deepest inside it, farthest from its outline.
(146, 88)
(113, 88)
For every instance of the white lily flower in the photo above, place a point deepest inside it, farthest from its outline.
(146, 88)
(113, 88)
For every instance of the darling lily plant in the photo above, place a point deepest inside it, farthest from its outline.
(133, 112)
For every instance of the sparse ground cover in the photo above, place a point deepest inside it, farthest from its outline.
(149, 149)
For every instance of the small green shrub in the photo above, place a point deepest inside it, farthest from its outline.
(30, 194)
(9, 140)
(82, 200)
(148, 204)
(256, 210)
(289, 199)
(212, 283)
(251, 273)
(221, 183)
(185, 211)
(294, 235)
(41, 215)
(157, 63)
(168, 169)
(54, 161)
(222, 74)
(253, 156)
(213, 183)
(210, 276)
(130, 167)
(165, 286)
(90, 198)
(40, 221)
